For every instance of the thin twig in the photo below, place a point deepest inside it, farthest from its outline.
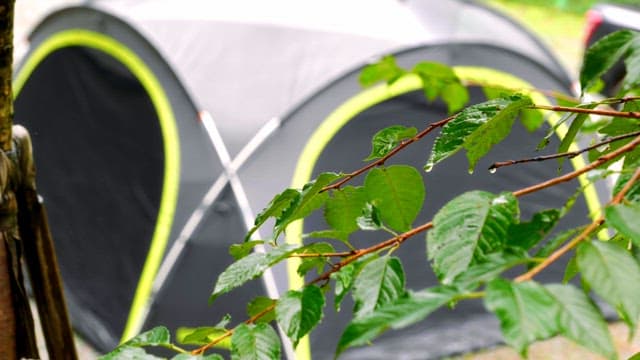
(568, 154)
(317, 255)
(623, 114)
(569, 176)
(581, 237)
(383, 159)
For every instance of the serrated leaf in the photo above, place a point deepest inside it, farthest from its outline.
(455, 133)
(278, 205)
(633, 195)
(403, 312)
(581, 321)
(527, 312)
(397, 192)
(344, 207)
(255, 342)
(380, 282)
(435, 77)
(383, 70)
(529, 234)
(258, 306)
(387, 139)
(249, 268)
(238, 251)
(495, 264)
(614, 275)
(197, 357)
(626, 220)
(309, 263)
(370, 218)
(128, 353)
(202, 336)
(467, 229)
(343, 283)
(159, 335)
(298, 312)
(602, 55)
(494, 129)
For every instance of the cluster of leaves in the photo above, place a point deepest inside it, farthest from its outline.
(471, 241)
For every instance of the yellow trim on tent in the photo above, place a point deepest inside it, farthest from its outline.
(171, 179)
(370, 97)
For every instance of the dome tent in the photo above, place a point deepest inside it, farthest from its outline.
(146, 193)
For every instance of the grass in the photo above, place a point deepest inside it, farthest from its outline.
(560, 30)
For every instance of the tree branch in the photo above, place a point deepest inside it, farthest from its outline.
(623, 114)
(383, 159)
(569, 176)
(581, 237)
(568, 154)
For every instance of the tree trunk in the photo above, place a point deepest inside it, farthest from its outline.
(7, 313)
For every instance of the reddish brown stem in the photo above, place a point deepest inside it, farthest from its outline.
(623, 114)
(383, 159)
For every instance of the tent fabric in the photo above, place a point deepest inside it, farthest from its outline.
(147, 190)
(297, 47)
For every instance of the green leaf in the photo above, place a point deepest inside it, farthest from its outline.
(495, 264)
(255, 342)
(631, 80)
(456, 96)
(249, 268)
(128, 353)
(202, 336)
(494, 129)
(344, 207)
(278, 205)
(633, 195)
(581, 321)
(259, 305)
(380, 282)
(559, 239)
(613, 274)
(300, 311)
(370, 218)
(602, 55)
(387, 139)
(159, 335)
(401, 313)
(467, 229)
(440, 80)
(238, 251)
(397, 192)
(309, 263)
(343, 283)
(626, 220)
(383, 70)
(311, 198)
(570, 136)
(532, 119)
(527, 312)
(529, 234)
(635, 356)
(454, 135)
(621, 126)
(197, 357)
(571, 270)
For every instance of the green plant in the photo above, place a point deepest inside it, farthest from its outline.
(471, 241)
